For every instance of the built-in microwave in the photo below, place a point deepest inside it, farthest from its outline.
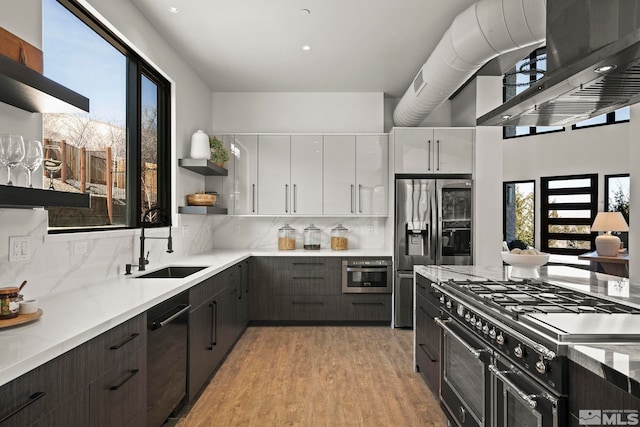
(367, 276)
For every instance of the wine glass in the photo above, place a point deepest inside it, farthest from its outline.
(52, 161)
(12, 152)
(32, 158)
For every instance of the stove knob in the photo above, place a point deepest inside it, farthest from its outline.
(500, 339)
(472, 320)
(485, 329)
(442, 299)
(479, 324)
(449, 304)
(492, 333)
(541, 367)
(518, 351)
(460, 309)
(467, 317)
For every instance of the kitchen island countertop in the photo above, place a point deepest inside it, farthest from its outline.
(71, 318)
(618, 363)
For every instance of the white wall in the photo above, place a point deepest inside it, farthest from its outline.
(487, 177)
(603, 149)
(267, 112)
(634, 208)
(53, 266)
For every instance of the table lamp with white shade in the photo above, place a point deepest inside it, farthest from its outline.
(607, 244)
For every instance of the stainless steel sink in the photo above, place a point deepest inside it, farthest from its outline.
(171, 272)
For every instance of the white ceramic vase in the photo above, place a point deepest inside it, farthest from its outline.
(200, 145)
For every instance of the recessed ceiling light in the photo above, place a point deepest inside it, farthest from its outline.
(305, 12)
(604, 69)
(174, 10)
(506, 117)
(306, 47)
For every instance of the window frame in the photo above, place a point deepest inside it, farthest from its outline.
(545, 206)
(504, 205)
(136, 66)
(610, 120)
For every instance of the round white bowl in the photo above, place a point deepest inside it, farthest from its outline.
(525, 266)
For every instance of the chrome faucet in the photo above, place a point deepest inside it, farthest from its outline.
(143, 259)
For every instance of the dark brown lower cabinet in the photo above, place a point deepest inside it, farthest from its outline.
(588, 391)
(74, 389)
(309, 289)
(427, 336)
(215, 323)
(117, 396)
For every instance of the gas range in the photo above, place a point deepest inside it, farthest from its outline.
(530, 323)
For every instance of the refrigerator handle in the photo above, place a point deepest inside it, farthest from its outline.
(436, 227)
(429, 155)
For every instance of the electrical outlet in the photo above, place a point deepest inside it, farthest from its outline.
(186, 231)
(80, 248)
(370, 229)
(19, 249)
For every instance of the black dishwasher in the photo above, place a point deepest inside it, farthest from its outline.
(167, 334)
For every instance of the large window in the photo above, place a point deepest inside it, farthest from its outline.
(617, 190)
(521, 77)
(569, 205)
(519, 212)
(119, 151)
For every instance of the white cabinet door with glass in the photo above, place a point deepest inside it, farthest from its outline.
(244, 151)
(371, 174)
(433, 150)
(339, 175)
(306, 170)
(274, 174)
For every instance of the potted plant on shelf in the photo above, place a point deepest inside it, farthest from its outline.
(219, 154)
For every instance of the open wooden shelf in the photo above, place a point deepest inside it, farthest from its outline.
(22, 197)
(29, 90)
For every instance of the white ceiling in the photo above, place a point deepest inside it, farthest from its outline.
(256, 45)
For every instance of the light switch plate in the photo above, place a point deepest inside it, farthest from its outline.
(19, 248)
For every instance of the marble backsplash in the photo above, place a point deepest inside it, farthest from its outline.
(62, 262)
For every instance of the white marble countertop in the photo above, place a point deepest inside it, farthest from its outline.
(76, 316)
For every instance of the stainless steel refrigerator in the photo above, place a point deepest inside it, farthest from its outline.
(433, 227)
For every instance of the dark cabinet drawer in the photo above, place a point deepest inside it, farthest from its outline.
(367, 307)
(120, 394)
(34, 394)
(427, 343)
(309, 282)
(306, 263)
(423, 286)
(73, 412)
(112, 346)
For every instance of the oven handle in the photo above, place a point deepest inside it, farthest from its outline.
(367, 270)
(529, 399)
(474, 351)
(539, 348)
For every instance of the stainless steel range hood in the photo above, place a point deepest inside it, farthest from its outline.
(583, 36)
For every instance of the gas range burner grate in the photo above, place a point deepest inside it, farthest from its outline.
(515, 298)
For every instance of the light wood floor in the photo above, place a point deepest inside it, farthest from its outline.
(318, 376)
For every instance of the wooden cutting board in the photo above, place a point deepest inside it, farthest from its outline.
(21, 319)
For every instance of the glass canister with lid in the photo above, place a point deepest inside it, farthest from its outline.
(339, 239)
(312, 237)
(286, 238)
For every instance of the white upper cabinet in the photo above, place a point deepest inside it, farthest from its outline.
(244, 152)
(274, 160)
(306, 172)
(339, 175)
(372, 174)
(433, 150)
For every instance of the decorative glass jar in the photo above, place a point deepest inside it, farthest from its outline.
(312, 237)
(286, 238)
(339, 239)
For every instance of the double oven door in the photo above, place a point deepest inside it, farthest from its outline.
(479, 387)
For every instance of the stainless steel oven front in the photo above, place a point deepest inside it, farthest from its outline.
(367, 276)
